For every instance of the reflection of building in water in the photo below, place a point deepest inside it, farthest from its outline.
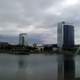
(22, 63)
(66, 67)
(23, 39)
(60, 67)
(21, 73)
(69, 67)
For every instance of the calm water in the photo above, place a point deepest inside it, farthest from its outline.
(32, 67)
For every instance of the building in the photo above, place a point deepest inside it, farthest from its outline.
(4, 43)
(23, 39)
(65, 35)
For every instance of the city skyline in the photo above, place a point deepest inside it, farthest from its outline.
(38, 18)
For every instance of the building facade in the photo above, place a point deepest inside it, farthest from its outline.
(23, 39)
(65, 35)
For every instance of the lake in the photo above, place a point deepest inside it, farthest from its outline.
(32, 67)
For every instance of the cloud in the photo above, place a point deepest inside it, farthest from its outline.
(38, 17)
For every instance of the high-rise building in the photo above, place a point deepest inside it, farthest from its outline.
(23, 39)
(65, 35)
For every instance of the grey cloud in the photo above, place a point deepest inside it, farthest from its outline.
(16, 14)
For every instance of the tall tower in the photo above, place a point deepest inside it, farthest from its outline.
(65, 35)
(23, 39)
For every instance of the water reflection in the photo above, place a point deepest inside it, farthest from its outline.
(21, 62)
(37, 67)
(69, 67)
(21, 73)
(32, 67)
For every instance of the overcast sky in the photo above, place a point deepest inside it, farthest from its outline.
(38, 18)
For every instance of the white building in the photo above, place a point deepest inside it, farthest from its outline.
(23, 40)
(60, 34)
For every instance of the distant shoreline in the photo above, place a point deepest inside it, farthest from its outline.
(23, 52)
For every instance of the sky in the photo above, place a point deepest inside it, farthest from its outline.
(37, 18)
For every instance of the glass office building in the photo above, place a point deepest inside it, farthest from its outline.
(65, 35)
